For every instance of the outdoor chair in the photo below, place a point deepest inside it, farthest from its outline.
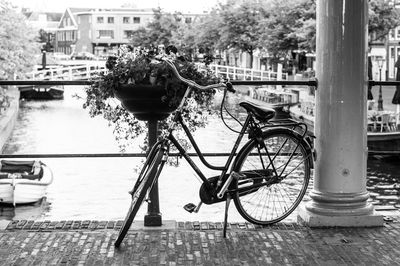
(371, 126)
(384, 122)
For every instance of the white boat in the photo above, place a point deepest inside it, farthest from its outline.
(23, 182)
(385, 141)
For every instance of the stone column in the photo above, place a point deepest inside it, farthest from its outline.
(339, 196)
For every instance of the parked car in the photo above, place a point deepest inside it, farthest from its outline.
(83, 56)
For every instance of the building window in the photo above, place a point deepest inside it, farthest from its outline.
(391, 34)
(125, 20)
(188, 20)
(107, 34)
(110, 20)
(100, 20)
(79, 20)
(136, 20)
(128, 34)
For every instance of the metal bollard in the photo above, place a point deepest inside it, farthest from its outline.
(153, 216)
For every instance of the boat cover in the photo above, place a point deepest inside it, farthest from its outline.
(31, 170)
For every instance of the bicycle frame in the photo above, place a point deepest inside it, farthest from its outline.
(224, 169)
(249, 123)
(221, 188)
(255, 133)
(177, 119)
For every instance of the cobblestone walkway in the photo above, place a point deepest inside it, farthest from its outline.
(187, 243)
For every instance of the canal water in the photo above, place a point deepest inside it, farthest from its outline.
(97, 188)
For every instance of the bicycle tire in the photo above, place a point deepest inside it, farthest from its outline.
(149, 158)
(143, 184)
(271, 199)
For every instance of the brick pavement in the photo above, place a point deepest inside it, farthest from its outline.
(196, 243)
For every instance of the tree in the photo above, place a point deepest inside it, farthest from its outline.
(240, 26)
(208, 34)
(184, 39)
(383, 17)
(289, 26)
(141, 37)
(18, 45)
(158, 31)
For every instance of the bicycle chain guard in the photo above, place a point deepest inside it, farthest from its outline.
(210, 197)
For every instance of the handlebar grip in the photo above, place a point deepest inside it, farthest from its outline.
(230, 88)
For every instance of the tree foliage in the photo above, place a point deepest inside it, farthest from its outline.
(289, 26)
(208, 33)
(158, 31)
(383, 17)
(240, 26)
(18, 44)
(276, 27)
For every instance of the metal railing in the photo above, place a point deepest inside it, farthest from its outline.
(100, 155)
(239, 73)
(310, 83)
(86, 71)
(66, 72)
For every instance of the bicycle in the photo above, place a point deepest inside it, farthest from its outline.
(266, 179)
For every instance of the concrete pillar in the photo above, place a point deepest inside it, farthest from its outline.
(339, 196)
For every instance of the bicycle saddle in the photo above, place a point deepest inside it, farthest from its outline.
(263, 114)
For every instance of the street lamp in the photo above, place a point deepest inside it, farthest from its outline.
(380, 61)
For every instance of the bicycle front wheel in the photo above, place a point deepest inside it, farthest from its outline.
(274, 176)
(145, 181)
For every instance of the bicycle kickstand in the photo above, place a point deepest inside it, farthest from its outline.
(228, 201)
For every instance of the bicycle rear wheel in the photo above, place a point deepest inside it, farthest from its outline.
(272, 186)
(149, 174)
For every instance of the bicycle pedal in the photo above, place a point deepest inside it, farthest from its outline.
(190, 207)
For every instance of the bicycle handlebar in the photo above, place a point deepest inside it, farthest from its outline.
(193, 84)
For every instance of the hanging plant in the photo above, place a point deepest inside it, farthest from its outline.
(138, 86)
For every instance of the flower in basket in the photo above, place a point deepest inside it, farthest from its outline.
(147, 89)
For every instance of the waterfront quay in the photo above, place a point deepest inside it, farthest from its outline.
(196, 243)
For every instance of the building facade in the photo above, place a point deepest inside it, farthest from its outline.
(393, 52)
(45, 24)
(101, 31)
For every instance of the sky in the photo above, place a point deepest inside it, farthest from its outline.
(166, 5)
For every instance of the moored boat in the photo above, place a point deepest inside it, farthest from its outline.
(383, 141)
(41, 92)
(23, 182)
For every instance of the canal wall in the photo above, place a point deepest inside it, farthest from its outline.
(8, 117)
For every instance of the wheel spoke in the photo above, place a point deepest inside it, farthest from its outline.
(271, 193)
